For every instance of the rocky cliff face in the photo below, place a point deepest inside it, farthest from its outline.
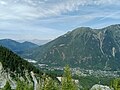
(2, 76)
(6, 76)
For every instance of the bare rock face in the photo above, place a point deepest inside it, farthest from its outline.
(1, 66)
(100, 87)
(4, 77)
(34, 80)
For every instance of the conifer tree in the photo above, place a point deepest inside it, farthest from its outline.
(20, 85)
(116, 84)
(67, 82)
(48, 83)
(7, 86)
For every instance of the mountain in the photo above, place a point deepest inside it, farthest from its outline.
(36, 41)
(14, 69)
(84, 47)
(16, 46)
(39, 42)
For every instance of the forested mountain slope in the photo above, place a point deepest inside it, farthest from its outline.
(13, 69)
(83, 47)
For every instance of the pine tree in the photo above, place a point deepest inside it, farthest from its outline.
(47, 83)
(20, 85)
(67, 82)
(116, 84)
(7, 86)
(50, 84)
(28, 87)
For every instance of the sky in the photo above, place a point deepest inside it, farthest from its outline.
(48, 19)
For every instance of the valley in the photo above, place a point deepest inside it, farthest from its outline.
(92, 54)
(59, 44)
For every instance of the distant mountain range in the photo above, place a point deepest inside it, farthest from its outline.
(16, 46)
(84, 47)
(36, 41)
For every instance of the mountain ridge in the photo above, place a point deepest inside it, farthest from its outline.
(13, 69)
(83, 47)
(16, 46)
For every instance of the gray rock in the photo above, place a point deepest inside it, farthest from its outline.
(100, 87)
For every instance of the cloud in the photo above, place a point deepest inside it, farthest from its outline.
(50, 18)
(3, 3)
(31, 34)
(112, 15)
(34, 9)
(17, 30)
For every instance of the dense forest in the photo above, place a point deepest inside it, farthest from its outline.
(14, 63)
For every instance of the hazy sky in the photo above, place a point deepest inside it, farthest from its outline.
(47, 19)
